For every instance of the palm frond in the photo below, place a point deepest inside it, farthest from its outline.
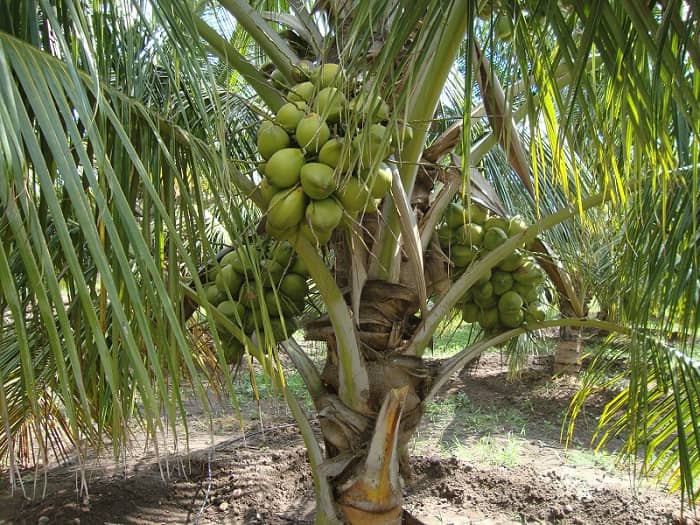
(104, 215)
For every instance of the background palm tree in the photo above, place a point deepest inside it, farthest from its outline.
(128, 134)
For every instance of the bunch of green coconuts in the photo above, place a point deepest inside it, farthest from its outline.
(509, 294)
(324, 154)
(280, 289)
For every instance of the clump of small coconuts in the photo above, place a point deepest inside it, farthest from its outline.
(324, 154)
(280, 290)
(510, 294)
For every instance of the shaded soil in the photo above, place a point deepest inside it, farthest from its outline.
(487, 453)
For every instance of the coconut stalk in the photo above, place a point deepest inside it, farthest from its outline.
(421, 108)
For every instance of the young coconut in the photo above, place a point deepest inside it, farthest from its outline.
(380, 181)
(353, 194)
(494, 237)
(316, 237)
(286, 208)
(284, 167)
(303, 92)
(229, 280)
(470, 312)
(373, 144)
(294, 286)
(289, 115)
(366, 107)
(302, 70)
(335, 154)
(326, 74)
(271, 138)
(312, 132)
(329, 103)
(317, 180)
(324, 214)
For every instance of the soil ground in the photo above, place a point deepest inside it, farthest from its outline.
(488, 452)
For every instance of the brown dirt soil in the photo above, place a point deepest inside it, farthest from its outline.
(487, 453)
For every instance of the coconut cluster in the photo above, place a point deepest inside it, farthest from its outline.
(280, 292)
(509, 295)
(324, 154)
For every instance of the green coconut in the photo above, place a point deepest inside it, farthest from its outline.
(516, 225)
(289, 115)
(462, 255)
(496, 222)
(373, 145)
(486, 277)
(326, 74)
(489, 318)
(312, 133)
(229, 280)
(286, 208)
(367, 106)
(237, 258)
(483, 291)
(470, 312)
(446, 235)
(302, 92)
(271, 272)
(528, 273)
(278, 305)
(471, 234)
(334, 154)
(281, 234)
(299, 267)
(294, 286)
(486, 302)
(282, 253)
(528, 292)
(233, 350)
(501, 281)
(251, 321)
(512, 319)
(401, 134)
(510, 301)
(301, 71)
(324, 214)
(493, 238)
(278, 79)
(511, 262)
(248, 296)
(233, 310)
(317, 180)
(282, 329)
(267, 190)
(284, 167)
(329, 104)
(475, 213)
(372, 205)
(353, 194)
(213, 294)
(535, 312)
(454, 215)
(379, 181)
(315, 236)
(271, 138)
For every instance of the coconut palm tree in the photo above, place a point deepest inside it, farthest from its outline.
(131, 131)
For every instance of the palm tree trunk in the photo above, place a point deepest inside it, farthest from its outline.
(567, 354)
(366, 452)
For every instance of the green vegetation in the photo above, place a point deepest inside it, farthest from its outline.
(373, 171)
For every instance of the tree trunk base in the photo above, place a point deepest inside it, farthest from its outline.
(567, 357)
